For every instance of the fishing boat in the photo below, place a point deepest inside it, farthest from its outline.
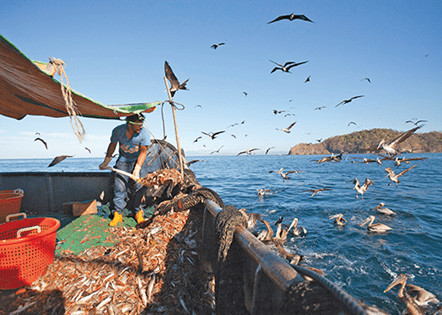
(193, 255)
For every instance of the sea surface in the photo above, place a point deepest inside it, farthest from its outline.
(361, 263)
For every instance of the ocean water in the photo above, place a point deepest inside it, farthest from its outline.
(362, 264)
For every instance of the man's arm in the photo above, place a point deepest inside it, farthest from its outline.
(110, 150)
(140, 160)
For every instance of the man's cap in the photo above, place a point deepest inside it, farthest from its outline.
(135, 117)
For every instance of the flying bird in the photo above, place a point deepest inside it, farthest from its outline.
(287, 130)
(398, 161)
(267, 151)
(245, 93)
(361, 189)
(58, 159)
(395, 177)
(87, 149)
(197, 138)
(194, 161)
(217, 151)
(308, 79)
(367, 79)
(349, 100)
(213, 135)
(415, 121)
(276, 112)
(287, 66)
(215, 46)
(248, 152)
(390, 148)
(175, 84)
(44, 142)
(284, 175)
(319, 108)
(291, 17)
(351, 122)
(315, 191)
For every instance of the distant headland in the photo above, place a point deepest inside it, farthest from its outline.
(360, 141)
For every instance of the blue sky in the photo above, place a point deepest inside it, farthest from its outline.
(115, 52)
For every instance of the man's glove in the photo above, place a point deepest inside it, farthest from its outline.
(136, 171)
(103, 165)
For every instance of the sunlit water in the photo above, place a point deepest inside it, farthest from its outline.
(361, 263)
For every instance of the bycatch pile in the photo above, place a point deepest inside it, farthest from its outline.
(151, 270)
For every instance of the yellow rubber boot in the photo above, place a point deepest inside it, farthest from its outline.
(139, 216)
(117, 219)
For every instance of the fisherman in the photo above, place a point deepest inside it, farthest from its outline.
(132, 140)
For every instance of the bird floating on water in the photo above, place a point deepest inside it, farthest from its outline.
(291, 17)
(395, 177)
(412, 295)
(297, 230)
(381, 209)
(349, 100)
(375, 228)
(339, 219)
(175, 84)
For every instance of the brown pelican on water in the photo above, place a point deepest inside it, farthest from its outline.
(395, 177)
(377, 227)
(412, 295)
(381, 209)
(297, 230)
(266, 236)
(361, 189)
(339, 219)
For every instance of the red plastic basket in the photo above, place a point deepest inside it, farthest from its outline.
(10, 201)
(26, 249)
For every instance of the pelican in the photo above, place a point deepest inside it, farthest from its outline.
(281, 233)
(297, 230)
(361, 189)
(263, 192)
(339, 219)
(390, 148)
(413, 296)
(380, 208)
(398, 161)
(375, 228)
(266, 236)
(250, 217)
(395, 177)
(284, 175)
(292, 258)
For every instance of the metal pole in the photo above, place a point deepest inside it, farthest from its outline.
(176, 128)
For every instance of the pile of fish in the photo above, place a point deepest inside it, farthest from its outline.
(151, 270)
(162, 177)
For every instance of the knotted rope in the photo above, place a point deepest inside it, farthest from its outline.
(56, 66)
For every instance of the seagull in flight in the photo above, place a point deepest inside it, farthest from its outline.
(267, 151)
(349, 100)
(248, 152)
(213, 135)
(319, 108)
(194, 161)
(175, 84)
(215, 46)
(291, 17)
(308, 79)
(217, 151)
(44, 142)
(390, 148)
(415, 121)
(284, 175)
(287, 66)
(367, 79)
(197, 138)
(58, 159)
(287, 130)
(351, 122)
(395, 177)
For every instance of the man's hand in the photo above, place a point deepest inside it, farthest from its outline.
(136, 171)
(105, 163)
